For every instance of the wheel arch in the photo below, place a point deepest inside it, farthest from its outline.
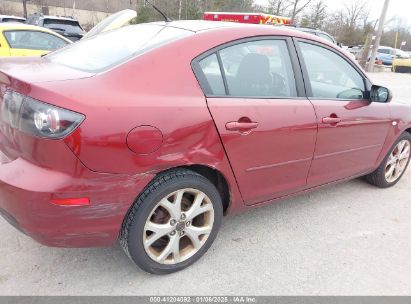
(213, 175)
(216, 178)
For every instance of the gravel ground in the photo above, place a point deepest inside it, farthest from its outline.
(349, 239)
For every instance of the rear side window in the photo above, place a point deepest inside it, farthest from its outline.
(33, 40)
(212, 72)
(112, 48)
(331, 77)
(259, 69)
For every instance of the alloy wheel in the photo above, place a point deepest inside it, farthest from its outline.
(178, 226)
(397, 161)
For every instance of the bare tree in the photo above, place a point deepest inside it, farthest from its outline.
(25, 8)
(317, 16)
(355, 10)
(297, 6)
(278, 7)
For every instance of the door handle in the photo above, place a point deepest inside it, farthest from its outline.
(241, 126)
(331, 120)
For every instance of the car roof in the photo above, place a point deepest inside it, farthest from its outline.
(11, 16)
(231, 31)
(197, 26)
(305, 29)
(21, 26)
(57, 18)
(9, 26)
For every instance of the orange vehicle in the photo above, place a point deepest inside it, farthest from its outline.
(252, 18)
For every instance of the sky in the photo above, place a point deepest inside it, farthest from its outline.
(401, 8)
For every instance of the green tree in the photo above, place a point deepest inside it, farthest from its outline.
(144, 14)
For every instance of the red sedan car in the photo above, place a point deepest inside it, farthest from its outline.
(150, 133)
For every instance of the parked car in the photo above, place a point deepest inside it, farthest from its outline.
(316, 32)
(324, 36)
(401, 65)
(402, 62)
(401, 54)
(65, 26)
(102, 142)
(8, 18)
(18, 39)
(357, 51)
(247, 18)
(386, 55)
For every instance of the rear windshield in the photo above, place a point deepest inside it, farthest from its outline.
(69, 26)
(107, 50)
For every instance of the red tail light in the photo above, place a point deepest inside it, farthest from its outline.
(37, 118)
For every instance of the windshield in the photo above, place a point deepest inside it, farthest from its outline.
(112, 48)
(69, 26)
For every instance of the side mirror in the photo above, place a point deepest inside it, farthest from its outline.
(380, 94)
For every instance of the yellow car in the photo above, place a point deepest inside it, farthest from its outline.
(28, 40)
(402, 62)
(402, 65)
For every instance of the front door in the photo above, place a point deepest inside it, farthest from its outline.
(351, 129)
(268, 131)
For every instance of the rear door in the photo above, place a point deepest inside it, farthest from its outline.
(352, 129)
(255, 95)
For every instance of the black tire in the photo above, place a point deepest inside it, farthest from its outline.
(131, 236)
(377, 178)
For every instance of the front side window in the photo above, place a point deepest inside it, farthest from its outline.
(259, 69)
(331, 77)
(33, 40)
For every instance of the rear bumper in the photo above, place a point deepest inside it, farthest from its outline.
(26, 191)
(402, 69)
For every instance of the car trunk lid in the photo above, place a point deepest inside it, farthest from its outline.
(38, 70)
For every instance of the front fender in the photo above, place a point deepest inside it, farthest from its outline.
(401, 122)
